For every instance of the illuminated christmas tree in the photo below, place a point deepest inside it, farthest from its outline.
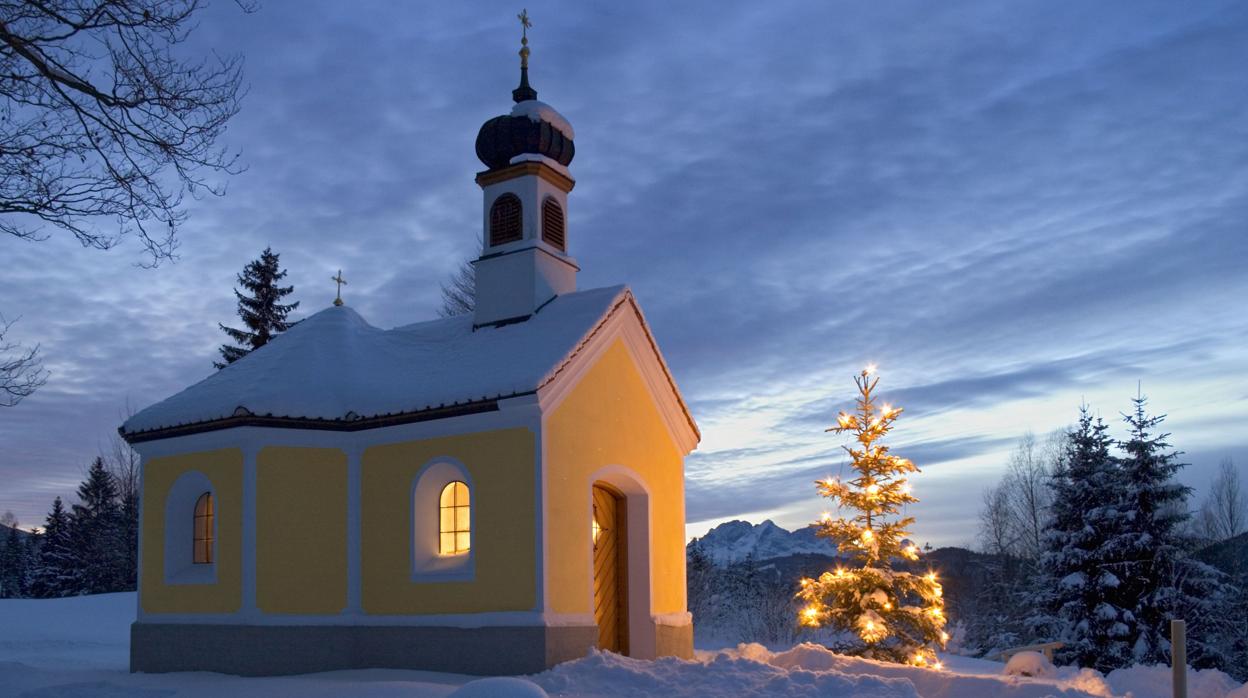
(895, 615)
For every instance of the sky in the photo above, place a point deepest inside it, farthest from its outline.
(1011, 208)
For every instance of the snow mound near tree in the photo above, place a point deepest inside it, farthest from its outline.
(1155, 681)
(603, 675)
(959, 680)
(85, 631)
(1029, 664)
(499, 687)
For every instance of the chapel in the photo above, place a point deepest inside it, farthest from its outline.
(490, 493)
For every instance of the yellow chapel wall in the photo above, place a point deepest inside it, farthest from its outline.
(502, 467)
(301, 530)
(224, 468)
(610, 418)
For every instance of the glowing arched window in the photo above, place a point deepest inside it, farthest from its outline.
(453, 531)
(202, 545)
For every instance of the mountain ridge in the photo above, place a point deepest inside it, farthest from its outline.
(736, 540)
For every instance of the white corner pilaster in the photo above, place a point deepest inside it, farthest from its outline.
(249, 609)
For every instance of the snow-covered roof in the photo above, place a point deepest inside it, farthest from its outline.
(336, 367)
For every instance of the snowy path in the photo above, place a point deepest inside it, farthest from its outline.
(80, 646)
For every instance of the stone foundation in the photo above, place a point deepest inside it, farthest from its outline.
(673, 641)
(267, 650)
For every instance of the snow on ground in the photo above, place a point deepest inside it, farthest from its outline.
(80, 646)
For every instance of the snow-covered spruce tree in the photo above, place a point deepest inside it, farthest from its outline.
(893, 615)
(262, 312)
(1159, 580)
(96, 533)
(13, 564)
(701, 583)
(1077, 594)
(58, 569)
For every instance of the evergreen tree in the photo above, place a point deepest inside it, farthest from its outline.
(1078, 594)
(58, 569)
(96, 532)
(701, 582)
(13, 564)
(1159, 580)
(894, 615)
(262, 312)
(31, 552)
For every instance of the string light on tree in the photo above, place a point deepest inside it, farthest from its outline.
(895, 615)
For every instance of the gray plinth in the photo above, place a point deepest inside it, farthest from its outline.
(267, 650)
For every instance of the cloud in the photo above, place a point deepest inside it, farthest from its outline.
(1009, 207)
(722, 484)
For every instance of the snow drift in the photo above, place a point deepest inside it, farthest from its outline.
(78, 646)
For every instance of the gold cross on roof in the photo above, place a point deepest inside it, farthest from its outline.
(341, 282)
(525, 25)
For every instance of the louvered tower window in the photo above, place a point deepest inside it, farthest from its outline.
(552, 223)
(505, 220)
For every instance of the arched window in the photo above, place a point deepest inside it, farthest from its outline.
(203, 538)
(552, 223)
(505, 220)
(454, 536)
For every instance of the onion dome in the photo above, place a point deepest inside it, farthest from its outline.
(532, 127)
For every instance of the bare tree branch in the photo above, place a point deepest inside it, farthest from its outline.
(102, 126)
(459, 295)
(122, 462)
(21, 370)
(996, 534)
(1015, 512)
(1224, 513)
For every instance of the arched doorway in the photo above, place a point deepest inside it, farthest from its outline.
(610, 540)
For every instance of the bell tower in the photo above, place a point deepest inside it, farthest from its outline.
(524, 260)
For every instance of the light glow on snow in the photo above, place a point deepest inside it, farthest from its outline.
(49, 650)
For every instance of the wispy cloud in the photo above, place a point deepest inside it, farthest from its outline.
(1012, 208)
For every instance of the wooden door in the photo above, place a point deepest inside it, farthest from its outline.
(610, 534)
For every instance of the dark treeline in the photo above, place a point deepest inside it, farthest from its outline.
(91, 547)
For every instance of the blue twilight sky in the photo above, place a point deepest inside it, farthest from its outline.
(1010, 207)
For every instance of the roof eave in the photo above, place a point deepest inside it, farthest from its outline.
(315, 424)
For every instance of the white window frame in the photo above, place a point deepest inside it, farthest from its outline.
(428, 564)
(180, 566)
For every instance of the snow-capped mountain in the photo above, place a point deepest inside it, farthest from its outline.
(735, 540)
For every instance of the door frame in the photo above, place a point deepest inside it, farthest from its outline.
(636, 499)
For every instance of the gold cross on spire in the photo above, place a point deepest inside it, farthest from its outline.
(341, 282)
(525, 26)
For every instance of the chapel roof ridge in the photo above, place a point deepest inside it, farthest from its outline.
(334, 368)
